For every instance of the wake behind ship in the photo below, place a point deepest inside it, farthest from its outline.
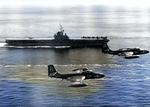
(60, 39)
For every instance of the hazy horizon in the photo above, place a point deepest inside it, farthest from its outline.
(55, 3)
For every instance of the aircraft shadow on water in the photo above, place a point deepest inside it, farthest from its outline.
(75, 78)
(128, 53)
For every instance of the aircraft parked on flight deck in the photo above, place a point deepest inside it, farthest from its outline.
(128, 53)
(75, 78)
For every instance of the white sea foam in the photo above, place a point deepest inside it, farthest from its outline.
(79, 65)
(3, 44)
(4, 79)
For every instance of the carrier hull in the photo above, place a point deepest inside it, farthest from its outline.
(69, 42)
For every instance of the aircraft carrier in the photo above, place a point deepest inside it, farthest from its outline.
(60, 39)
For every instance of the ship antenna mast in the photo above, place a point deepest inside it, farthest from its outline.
(61, 28)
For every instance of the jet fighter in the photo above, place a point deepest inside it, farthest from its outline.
(75, 78)
(128, 53)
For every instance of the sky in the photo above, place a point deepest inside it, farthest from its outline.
(134, 3)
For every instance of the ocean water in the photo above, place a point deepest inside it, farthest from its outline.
(23, 71)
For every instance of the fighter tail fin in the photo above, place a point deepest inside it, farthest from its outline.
(52, 71)
(105, 48)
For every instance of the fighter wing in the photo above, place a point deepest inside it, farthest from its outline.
(128, 54)
(125, 54)
(76, 79)
(77, 70)
(80, 70)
